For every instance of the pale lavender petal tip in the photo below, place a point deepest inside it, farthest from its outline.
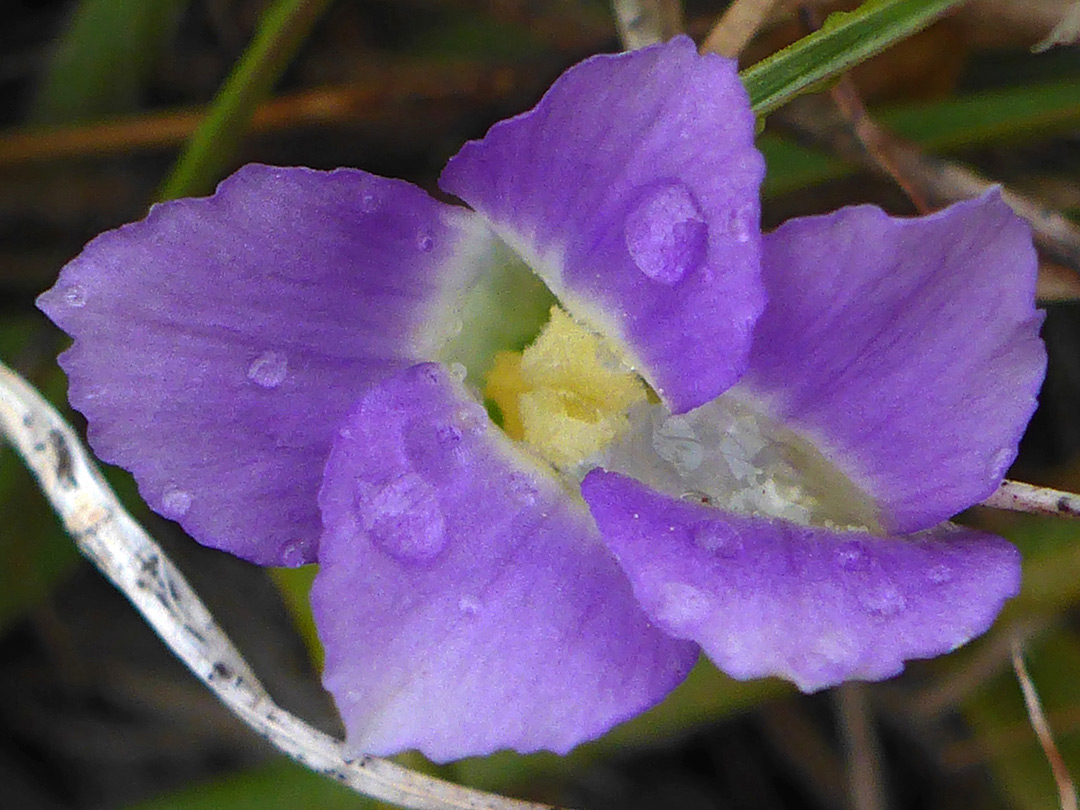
(219, 342)
(465, 603)
(908, 348)
(811, 605)
(632, 189)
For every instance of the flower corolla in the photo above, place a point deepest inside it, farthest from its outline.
(548, 448)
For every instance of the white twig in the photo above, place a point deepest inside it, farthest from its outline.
(737, 27)
(1016, 496)
(1066, 32)
(1065, 787)
(126, 554)
(646, 22)
(861, 752)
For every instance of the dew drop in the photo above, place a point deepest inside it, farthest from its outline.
(368, 202)
(471, 419)
(696, 496)
(719, 539)
(405, 520)
(999, 464)
(469, 605)
(835, 648)
(75, 296)
(739, 223)
(424, 242)
(675, 441)
(428, 373)
(269, 369)
(458, 371)
(883, 599)
(852, 556)
(175, 502)
(680, 604)
(448, 436)
(523, 489)
(665, 233)
(294, 553)
(939, 574)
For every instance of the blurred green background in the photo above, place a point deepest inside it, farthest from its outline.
(108, 105)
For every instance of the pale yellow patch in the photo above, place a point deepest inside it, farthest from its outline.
(567, 394)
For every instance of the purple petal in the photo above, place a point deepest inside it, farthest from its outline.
(465, 601)
(632, 190)
(908, 348)
(811, 605)
(220, 341)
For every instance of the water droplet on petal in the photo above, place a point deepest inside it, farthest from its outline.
(666, 233)
(427, 373)
(835, 648)
(471, 419)
(720, 539)
(523, 488)
(448, 436)
(883, 599)
(405, 520)
(675, 441)
(458, 371)
(269, 369)
(175, 502)
(680, 604)
(469, 605)
(368, 202)
(424, 242)
(852, 556)
(739, 223)
(999, 464)
(696, 496)
(294, 553)
(939, 574)
(75, 296)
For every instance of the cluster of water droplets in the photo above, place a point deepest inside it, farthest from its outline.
(728, 455)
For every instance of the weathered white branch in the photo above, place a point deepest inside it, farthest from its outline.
(646, 22)
(127, 555)
(1041, 726)
(737, 27)
(1016, 496)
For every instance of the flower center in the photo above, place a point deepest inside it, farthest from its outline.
(573, 400)
(567, 395)
(728, 453)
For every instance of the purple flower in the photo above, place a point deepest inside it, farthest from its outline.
(732, 443)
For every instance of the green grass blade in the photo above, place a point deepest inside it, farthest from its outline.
(102, 59)
(282, 30)
(845, 40)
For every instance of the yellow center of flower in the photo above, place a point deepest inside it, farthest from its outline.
(566, 395)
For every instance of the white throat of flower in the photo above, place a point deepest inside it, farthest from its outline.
(571, 400)
(730, 455)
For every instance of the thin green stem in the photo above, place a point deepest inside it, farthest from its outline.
(282, 30)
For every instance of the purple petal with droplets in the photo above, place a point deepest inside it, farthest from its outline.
(219, 342)
(465, 601)
(812, 605)
(908, 350)
(632, 189)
